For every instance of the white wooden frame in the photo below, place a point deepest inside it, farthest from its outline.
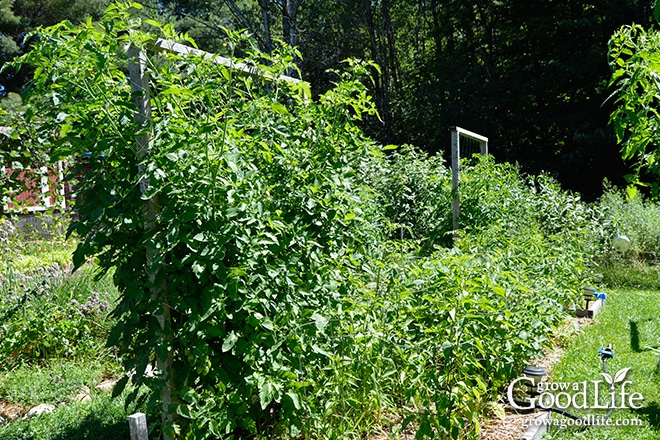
(456, 133)
(170, 46)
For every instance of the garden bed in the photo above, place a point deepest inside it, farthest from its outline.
(513, 425)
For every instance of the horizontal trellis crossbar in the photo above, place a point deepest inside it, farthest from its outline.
(167, 45)
(470, 134)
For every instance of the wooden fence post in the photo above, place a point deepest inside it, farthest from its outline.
(455, 178)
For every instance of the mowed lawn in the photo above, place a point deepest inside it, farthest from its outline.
(630, 322)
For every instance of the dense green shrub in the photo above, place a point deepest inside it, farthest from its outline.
(441, 333)
(636, 218)
(415, 192)
(433, 340)
(551, 230)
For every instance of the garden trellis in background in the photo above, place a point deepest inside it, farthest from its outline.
(473, 143)
(140, 90)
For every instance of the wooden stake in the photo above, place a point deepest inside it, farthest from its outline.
(455, 178)
(137, 62)
(138, 425)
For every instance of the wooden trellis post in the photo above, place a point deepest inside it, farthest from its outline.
(137, 70)
(138, 426)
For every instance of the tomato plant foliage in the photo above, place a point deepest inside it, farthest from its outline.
(634, 60)
(261, 208)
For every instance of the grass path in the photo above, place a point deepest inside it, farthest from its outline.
(630, 321)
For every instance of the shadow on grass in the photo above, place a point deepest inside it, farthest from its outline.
(103, 419)
(92, 427)
(635, 335)
(651, 413)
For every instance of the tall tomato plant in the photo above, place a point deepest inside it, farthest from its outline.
(635, 62)
(261, 215)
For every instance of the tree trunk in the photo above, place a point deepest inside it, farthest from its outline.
(265, 16)
(289, 27)
(381, 81)
(388, 33)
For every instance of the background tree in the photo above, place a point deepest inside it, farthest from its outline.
(265, 20)
(532, 76)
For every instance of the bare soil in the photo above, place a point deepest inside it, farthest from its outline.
(11, 411)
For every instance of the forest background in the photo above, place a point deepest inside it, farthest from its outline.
(531, 75)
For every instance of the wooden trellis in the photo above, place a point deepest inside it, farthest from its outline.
(456, 134)
(139, 79)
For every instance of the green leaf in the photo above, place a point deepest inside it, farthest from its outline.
(319, 321)
(119, 386)
(267, 324)
(320, 350)
(198, 269)
(295, 399)
(66, 128)
(229, 342)
(184, 411)
(279, 108)
(266, 394)
(115, 334)
(153, 23)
